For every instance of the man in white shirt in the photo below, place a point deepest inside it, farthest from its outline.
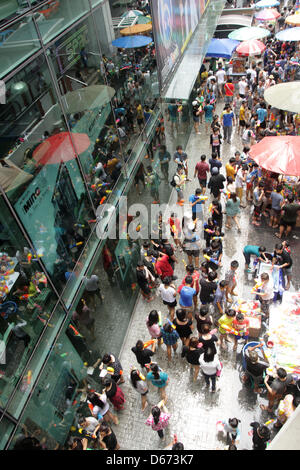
(242, 85)
(220, 75)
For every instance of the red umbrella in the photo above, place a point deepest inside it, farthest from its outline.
(280, 154)
(251, 47)
(59, 148)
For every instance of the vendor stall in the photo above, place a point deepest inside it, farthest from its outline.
(284, 334)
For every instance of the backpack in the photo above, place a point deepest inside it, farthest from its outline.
(172, 182)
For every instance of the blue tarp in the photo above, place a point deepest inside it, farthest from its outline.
(221, 48)
(129, 42)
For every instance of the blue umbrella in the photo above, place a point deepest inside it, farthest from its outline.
(289, 34)
(221, 48)
(267, 4)
(130, 42)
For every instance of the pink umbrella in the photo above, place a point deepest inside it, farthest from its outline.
(59, 148)
(251, 47)
(280, 154)
(268, 14)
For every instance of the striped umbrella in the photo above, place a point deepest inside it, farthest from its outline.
(268, 14)
(293, 19)
(249, 32)
(267, 4)
(289, 34)
(250, 48)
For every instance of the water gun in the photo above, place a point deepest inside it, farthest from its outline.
(44, 321)
(102, 200)
(75, 244)
(95, 186)
(256, 287)
(31, 255)
(29, 376)
(110, 370)
(141, 376)
(80, 225)
(159, 319)
(185, 265)
(172, 325)
(217, 238)
(75, 331)
(225, 192)
(211, 260)
(138, 228)
(210, 208)
(229, 330)
(148, 343)
(25, 296)
(202, 198)
(209, 231)
(92, 221)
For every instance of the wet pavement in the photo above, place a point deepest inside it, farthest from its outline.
(194, 410)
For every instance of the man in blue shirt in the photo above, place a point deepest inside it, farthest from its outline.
(262, 114)
(196, 202)
(187, 293)
(228, 121)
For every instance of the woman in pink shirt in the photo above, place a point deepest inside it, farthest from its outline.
(159, 420)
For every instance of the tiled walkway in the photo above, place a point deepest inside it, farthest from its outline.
(195, 410)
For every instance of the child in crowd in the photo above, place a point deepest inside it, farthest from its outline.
(225, 324)
(230, 277)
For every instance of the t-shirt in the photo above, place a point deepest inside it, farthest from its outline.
(214, 163)
(144, 356)
(167, 294)
(225, 320)
(279, 387)
(239, 178)
(221, 74)
(207, 291)
(257, 369)
(202, 168)
(252, 250)
(227, 118)
(242, 87)
(91, 284)
(229, 89)
(196, 208)
(208, 111)
(241, 327)
(277, 199)
(230, 170)
(186, 295)
(290, 212)
(258, 442)
(161, 382)
(262, 114)
(163, 267)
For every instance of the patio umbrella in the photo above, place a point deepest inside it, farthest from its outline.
(249, 32)
(289, 34)
(280, 154)
(267, 4)
(284, 96)
(131, 42)
(58, 148)
(221, 48)
(268, 14)
(132, 13)
(143, 20)
(293, 19)
(90, 97)
(136, 29)
(252, 47)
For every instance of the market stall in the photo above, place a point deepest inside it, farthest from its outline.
(284, 334)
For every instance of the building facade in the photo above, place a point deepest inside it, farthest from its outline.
(55, 139)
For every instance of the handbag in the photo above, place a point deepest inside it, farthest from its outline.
(218, 373)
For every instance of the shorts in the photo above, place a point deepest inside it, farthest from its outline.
(195, 253)
(170, 304)
(196, 118)
(138, 178)
(287, 271)
(202, 182)
(143, 394)
(242, 337)
(242, 123)
(208, 119)
(275, 212)
(287, 224)
(249, 186)
(140, 121)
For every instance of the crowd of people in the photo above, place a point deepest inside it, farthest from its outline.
(200, 311)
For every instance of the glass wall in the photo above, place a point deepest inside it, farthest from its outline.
(70, 140)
